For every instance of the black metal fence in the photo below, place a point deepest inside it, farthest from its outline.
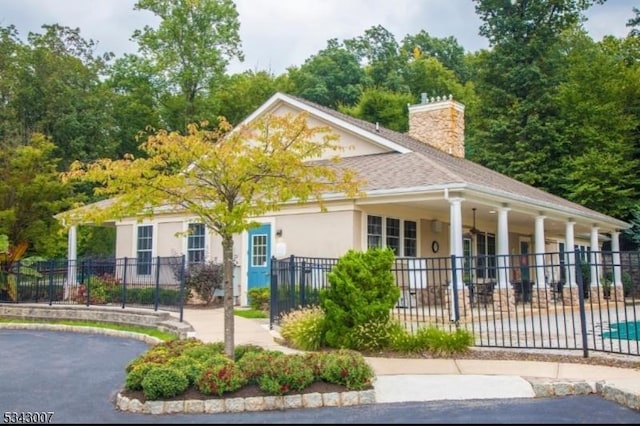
(156, 284)
(569, 300)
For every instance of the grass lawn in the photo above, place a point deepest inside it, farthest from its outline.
(150, 331)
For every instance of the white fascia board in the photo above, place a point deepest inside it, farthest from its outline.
(280, 97)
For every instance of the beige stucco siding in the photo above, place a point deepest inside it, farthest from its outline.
(352, 144)
(168, 243)
(214, 247)
(328, 234)
(124, 241)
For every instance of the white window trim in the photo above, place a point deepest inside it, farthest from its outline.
(365, 242)
(154, 243)
(185, 243)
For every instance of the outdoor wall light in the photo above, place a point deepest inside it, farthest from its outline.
(279, 233)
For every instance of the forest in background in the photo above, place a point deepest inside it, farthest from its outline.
(545, 103)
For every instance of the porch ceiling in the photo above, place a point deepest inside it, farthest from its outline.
(521, 218)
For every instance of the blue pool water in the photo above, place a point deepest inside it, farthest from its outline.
(623, 330)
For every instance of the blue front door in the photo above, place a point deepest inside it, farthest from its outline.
(259, 256)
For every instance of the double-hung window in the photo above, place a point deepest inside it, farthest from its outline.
(196, 243)
(144, 249)
(397, 234)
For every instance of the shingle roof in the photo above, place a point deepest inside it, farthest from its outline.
(427, 165)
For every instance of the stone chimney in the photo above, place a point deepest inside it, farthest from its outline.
(438, 122)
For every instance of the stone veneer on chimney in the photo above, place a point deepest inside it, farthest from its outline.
(438, 122)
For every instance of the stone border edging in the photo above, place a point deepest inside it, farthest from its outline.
(238, 405)
(544, 388)
(161, 320)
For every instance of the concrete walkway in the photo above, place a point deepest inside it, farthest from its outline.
(404, 380)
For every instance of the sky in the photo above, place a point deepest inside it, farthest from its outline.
(277, 34)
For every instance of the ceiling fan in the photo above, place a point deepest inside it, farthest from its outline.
(474, 230)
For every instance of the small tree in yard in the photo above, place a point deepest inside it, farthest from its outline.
(362, 292)
(225, 177)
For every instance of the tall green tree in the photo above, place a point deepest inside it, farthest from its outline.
(241, 94)
(190, 49)
(518, 130)
(332, 77)
(225, 178)
(58, 92)
(634, 23)
(380, 54)
(135, 105)
(593, 102)
(426, 74)
(31, 194)
(446, 50)
(388, 109)
(11, 52)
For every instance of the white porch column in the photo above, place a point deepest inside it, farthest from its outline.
(503, 247)
(615, 252)
(571, 253)
(595, 257)
(455, 235)
(72, 259)
(540, 251)
(455, 242)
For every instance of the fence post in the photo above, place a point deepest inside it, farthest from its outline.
(273, 297)
(124, 283)
(182, 285)
(157, 292)
(454, 289)
(88, 284)
(51, 265)
(18, 280)
(292, 282)
(583, 315)
(303, 298)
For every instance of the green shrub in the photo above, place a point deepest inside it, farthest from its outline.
(286, 374)
(348, 368)
(140, 296)
(255, 364)
(259, 298)
(178, 346)
(221, 377)
(374, 335)
(159, 354)
(136, 374)
(625, 277)
(304, 328)
(163, 382)
(315, 360)
(362, 289)
(190, 367)
(241, 350)
(39, 291)
(406, 342)
(445, 342)
(205, 352)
